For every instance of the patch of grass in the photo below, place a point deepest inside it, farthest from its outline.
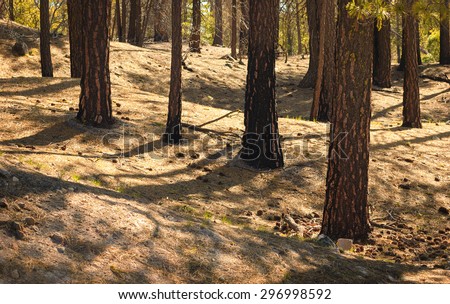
(34, 164)
(96, 182)
(184, 209)
(76, 177)
(2, 153)
(226, 220)
(207, 215)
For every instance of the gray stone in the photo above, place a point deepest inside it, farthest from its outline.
(325, 241)
(344, 244)
(15, 274)
(15, 179)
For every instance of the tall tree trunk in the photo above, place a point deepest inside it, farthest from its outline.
(382, 55)
(323, 97)
(313, 27)
(234, 29)
(124, 21)
(75, 12)
(444, 53)
(194, 41)
(218, 23)
(398, 40)
(161, 22)
(243, 28)
(289, 28)
(419, 55)
(134, 27)
(401, 67)
(173, 126)
(11, 10)
(95, 106)
(46, 56)
(346, 211)
(261, 140)
(411, 97)
(119, 20)
(299, 28)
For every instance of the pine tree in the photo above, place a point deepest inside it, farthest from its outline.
(46, 56)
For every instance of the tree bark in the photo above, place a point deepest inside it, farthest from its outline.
(444, 53)
(309, 80)
(382, 55)
(411, 97)
(161, 22)
(346, 212)
(11, 10)
(124, 21)
(75, 12)
(173, 126)
(46, 56)
(134, 27)
(119, 20)
(95, 106)
(194, 41)
(218, 23)
(323, 96)
(234, 29)
(299, 29)
(243, 28)
(261, 140)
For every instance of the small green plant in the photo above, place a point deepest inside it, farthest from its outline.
(185, 209)
(96, 182)
(207, 215)
(76, 177)
(226, 220)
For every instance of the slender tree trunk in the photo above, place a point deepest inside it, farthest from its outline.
(411, 97)
(161, 22)
(323, 97)
(299, 28)
(289, 29)
(313, 27)
(173, 126)
(11, 10)
(346, 211)
(95, 106)
(46, 56)
(243, 28)
(261, 141)
(134, 27)
(444, 53)
(194, 41)
(218, 23)
(124, 21)
(398, 40)
(419, 55)
(75, 12)
(234, 29)
(382, 55)
(119, 20)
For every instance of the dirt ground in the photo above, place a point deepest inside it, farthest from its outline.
(82, 205)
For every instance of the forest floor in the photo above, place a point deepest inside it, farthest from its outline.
(82, 205)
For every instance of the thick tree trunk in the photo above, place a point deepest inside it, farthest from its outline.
(95, 106)
(261, 140)
(411, 97)
(309, 80)
(243, 28)
(382, 55)
(161, 21)
(346, 211)
(401, 66)
(444, 53)
(124, 21)
(218, 23)
(194, 41)
(234, 29)
(119, 20)
(75, 12)
(323, 97)
(46, 56)
(173, 126)
(299, 29)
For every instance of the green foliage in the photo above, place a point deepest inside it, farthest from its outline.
(433, 47)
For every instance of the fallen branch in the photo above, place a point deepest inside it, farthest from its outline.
(292, 224)
(444, 78)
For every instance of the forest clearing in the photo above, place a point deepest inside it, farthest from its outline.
(80, 204)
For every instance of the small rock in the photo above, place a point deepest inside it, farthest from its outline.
(61, 250)
(71, 189)
(15, 274)
(248, 213)
(259, 212)
(443, 210)
(405, 186)
(437, 179)
(29, 221)
(344, 244)
(17, 230)
(180, 155)
(20, 48)
(57, 238)
(15, 179)
(325, 241)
